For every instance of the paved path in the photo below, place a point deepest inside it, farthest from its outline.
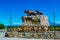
(5, 38)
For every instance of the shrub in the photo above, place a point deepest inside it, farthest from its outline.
(2, 26)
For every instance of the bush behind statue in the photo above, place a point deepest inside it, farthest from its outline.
(2, 26)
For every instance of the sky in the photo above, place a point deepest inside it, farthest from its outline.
(16, 9)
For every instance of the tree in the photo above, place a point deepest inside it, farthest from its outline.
(2, 26)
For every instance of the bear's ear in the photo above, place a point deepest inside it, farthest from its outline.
(41, 13)
(26, 11)
(33, 13)
(38, 12)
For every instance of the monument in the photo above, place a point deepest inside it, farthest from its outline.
(35, 25)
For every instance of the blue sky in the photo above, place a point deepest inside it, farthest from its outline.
(16, 9)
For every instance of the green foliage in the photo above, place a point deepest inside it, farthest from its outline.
(52, 28)
(2, 26)
(56, 28)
